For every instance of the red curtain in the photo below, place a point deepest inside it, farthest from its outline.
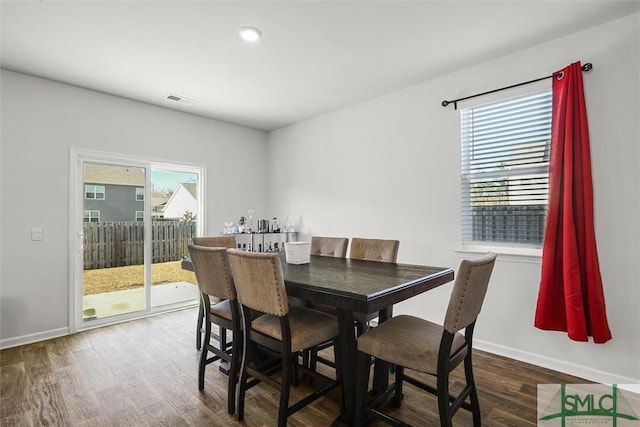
(570, 297)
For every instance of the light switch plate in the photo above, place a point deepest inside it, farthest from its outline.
(37, 234)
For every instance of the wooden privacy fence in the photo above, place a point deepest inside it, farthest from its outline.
(511, 223)
(116, 244)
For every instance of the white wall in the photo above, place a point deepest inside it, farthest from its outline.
(41, 120)
(390, 168)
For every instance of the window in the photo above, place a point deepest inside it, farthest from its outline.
(95, 192)
(91, 216)
(139, 215)
(139, 193)
(505, 169)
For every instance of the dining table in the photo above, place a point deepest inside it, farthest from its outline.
(357, 286)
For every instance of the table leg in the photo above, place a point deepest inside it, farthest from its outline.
(348, 352)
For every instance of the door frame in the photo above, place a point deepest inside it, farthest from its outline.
(77, 157)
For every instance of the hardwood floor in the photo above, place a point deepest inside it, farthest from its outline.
(144, 373)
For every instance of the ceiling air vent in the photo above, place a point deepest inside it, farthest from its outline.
(180, 99)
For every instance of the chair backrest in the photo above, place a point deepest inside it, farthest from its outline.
(212, 271)
(259, 281)
(329, 246)
(216, 241)
(468, 292)
(374, 249)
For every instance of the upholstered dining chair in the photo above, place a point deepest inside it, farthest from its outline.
(287, 330)
(380, 250)
(329, 246)
(413, 343)
(374, 249)
(215, 280)
(227, 241)
(211, 241)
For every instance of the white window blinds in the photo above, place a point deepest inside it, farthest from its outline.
(505, 165)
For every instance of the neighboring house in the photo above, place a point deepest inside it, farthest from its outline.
(113, 193)
(158, 203)
(184, 199)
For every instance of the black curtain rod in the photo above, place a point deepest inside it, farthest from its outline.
(586, 67)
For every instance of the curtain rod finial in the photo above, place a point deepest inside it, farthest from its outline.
(445, 103)
(587, 67)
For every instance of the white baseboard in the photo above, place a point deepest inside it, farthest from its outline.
(31, 338)
(60, 332)
(580, 371)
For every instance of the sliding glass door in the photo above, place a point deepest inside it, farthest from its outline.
(175, 198)
(132, 221)
(113, 249)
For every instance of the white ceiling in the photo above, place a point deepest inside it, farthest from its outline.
(314, 57)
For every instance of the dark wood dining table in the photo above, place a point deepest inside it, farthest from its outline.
(358, 286)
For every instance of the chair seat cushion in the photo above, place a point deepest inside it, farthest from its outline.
(308, 327)
(407, 341)
(222, 309)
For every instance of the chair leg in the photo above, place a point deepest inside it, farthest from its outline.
(236, 352)
(247, 356)
(295, 379)
(287, 372)
(222, 340)
(397, 396)
(339, 375)
(473, 393)
(362, 383)
(443, 399)
(203, 355)
(312, 356)
(222, 333)
(199, 325)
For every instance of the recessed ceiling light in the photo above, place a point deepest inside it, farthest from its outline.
(250, 34)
